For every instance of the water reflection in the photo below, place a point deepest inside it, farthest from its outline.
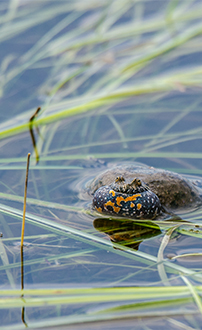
(127, 232)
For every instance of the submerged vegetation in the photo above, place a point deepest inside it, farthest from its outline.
(115, 80)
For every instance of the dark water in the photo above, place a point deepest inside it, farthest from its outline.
(64, 240)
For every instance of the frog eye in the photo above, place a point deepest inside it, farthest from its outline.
(136, 182)
(119, 179)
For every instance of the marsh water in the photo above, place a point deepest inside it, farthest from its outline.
(68, 245)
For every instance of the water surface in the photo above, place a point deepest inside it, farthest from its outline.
(53, 56)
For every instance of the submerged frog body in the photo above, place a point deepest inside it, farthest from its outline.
(142, 192)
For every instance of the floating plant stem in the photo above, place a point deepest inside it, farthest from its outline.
(25, 197)
(22, 239)
(32, 132)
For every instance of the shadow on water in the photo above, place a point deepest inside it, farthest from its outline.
(126, 232)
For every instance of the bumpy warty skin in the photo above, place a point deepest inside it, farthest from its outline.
(141, 205)
(176, 193)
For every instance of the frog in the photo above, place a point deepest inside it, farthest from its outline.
(139, 191)
(130, 199)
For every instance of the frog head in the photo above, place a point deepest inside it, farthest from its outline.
(121, 185)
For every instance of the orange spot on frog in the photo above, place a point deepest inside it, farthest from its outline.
(119, 199)
(115, 208)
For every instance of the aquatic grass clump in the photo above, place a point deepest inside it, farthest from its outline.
(128, 301)
(107, 89)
